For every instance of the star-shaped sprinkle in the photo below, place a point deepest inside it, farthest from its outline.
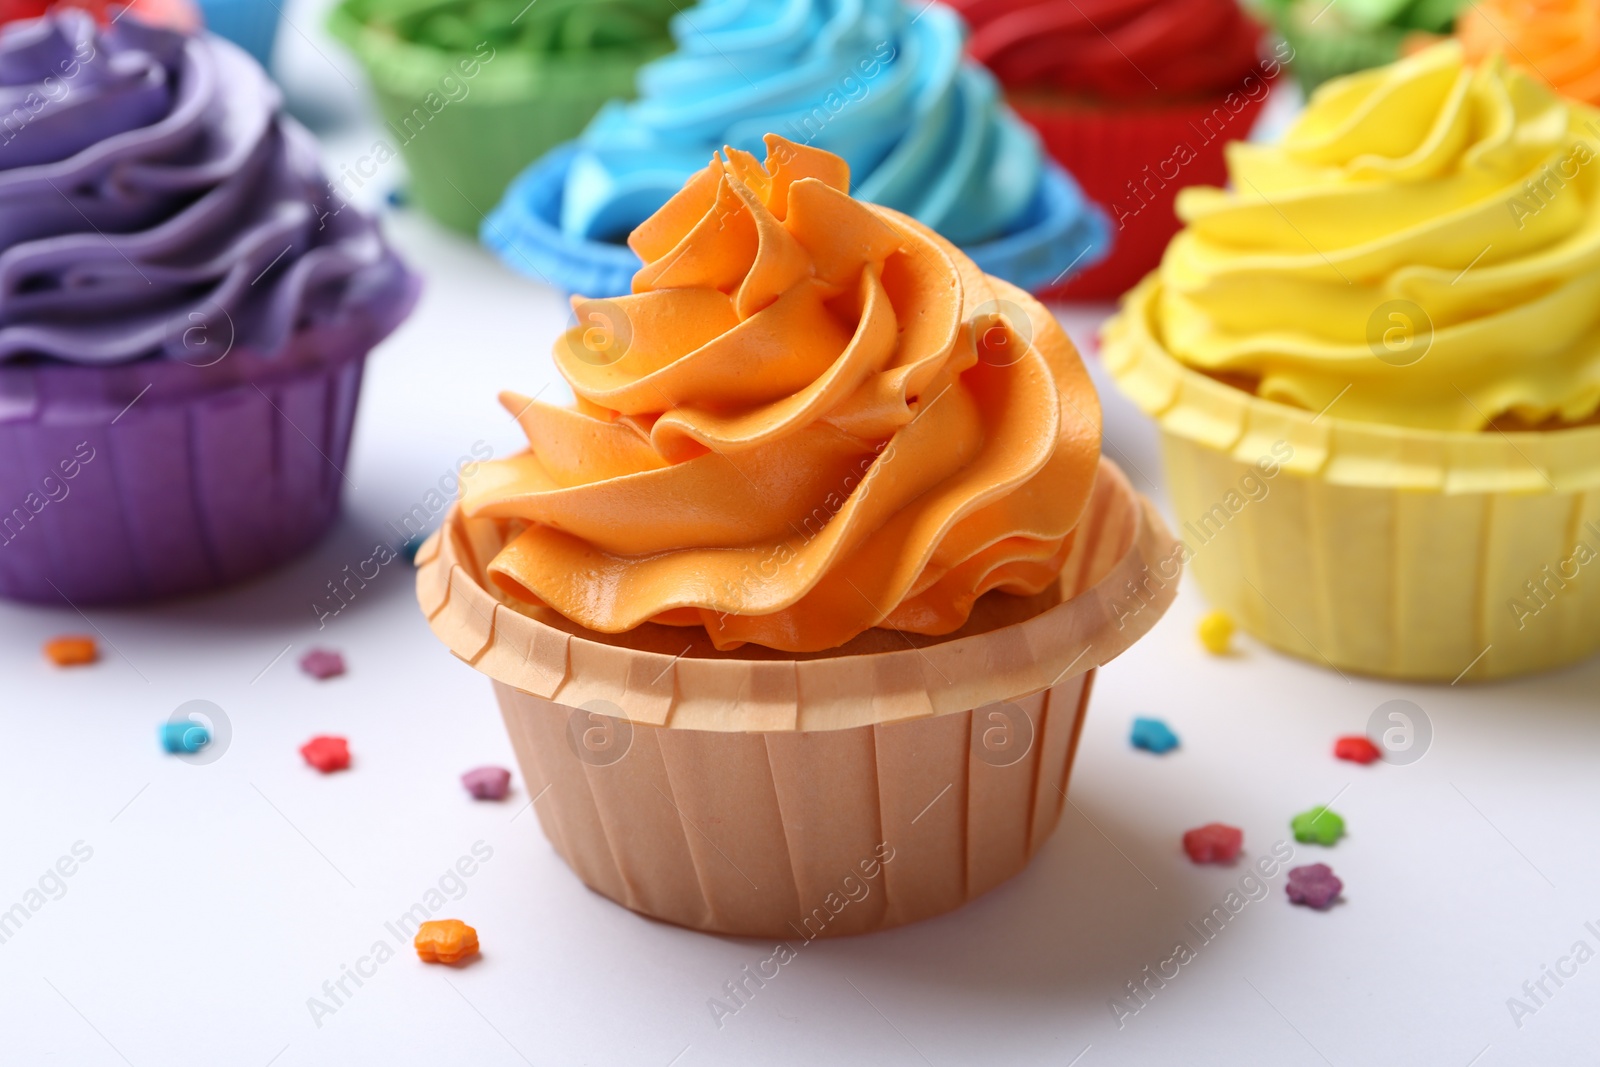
(487, 783)
(1153, 735)
(1356, 749)
(71, 651)
(183, 736)
(1318, 826)
(1216, 633)
(322, 664)
(1214, 843)
(445, 941)
(327, 754)
(1315, 886)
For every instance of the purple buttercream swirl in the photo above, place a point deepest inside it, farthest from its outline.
(153, 195)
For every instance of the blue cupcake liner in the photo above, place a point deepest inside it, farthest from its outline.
(1059, 235)
(525, 232)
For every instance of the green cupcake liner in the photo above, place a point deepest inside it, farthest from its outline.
(466, 118)
(1320, 55)
(1346, 36)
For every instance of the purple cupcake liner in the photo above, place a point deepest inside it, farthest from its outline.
(157, 479)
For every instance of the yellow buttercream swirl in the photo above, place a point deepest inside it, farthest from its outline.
(1422, 250)
(812, 416)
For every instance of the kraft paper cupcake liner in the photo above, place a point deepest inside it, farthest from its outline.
(770, 794)
(1382, 550)
(482, 128)
(157, 478)
(525, 231)
(1120, 156)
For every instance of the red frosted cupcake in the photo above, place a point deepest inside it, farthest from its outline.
(173, 14)
(1135, 97)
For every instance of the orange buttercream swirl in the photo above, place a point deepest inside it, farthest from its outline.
(813, 416)
(1558, 40)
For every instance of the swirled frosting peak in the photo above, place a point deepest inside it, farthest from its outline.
(1559, 40)
(1114, 49)
(1421, 250)
(869, 80)
(812, 417)
(150, 183)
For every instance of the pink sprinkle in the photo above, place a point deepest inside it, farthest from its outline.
(321, 663)
(1214, 843)
(487, 783)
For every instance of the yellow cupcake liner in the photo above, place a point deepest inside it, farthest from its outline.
(1382, 550)
(762, 793)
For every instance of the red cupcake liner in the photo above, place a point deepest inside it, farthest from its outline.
(1133, 162)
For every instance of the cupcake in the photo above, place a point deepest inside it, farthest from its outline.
(472, 91)
(187, 311)
(1330, 39)
(250, 24)
(174, 14)
(875, 82)
(1137, 101)
(1376, 368)
(1559, 40)
(770, 643)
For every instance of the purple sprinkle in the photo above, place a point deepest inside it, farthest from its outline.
(488, 783)
(1315, 886)
(322, 664)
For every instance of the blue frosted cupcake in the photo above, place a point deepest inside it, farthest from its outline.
(925, 132)
(250, 24)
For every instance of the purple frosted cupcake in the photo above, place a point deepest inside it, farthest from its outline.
(185, 310)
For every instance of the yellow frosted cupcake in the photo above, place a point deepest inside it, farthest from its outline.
(1376, 365)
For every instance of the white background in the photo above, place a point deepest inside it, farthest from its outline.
(220, 898)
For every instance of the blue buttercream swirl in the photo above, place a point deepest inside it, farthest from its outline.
(882, 85)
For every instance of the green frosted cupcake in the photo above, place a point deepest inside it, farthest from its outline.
(1344, 36)
(472, 91)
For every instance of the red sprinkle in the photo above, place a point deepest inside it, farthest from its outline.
(1356, 749)
(1213, 843)
(327, 754)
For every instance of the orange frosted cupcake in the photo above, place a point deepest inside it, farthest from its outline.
(1559, 40)
(826, 490)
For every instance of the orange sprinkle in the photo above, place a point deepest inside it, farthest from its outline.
(445, 941)
(71, 651)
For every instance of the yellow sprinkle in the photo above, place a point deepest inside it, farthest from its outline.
(1216, 632)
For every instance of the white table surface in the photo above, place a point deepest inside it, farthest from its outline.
(218, 899)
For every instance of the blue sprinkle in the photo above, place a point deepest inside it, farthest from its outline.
(397, 197)
(1153, 735)
(183, 736)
